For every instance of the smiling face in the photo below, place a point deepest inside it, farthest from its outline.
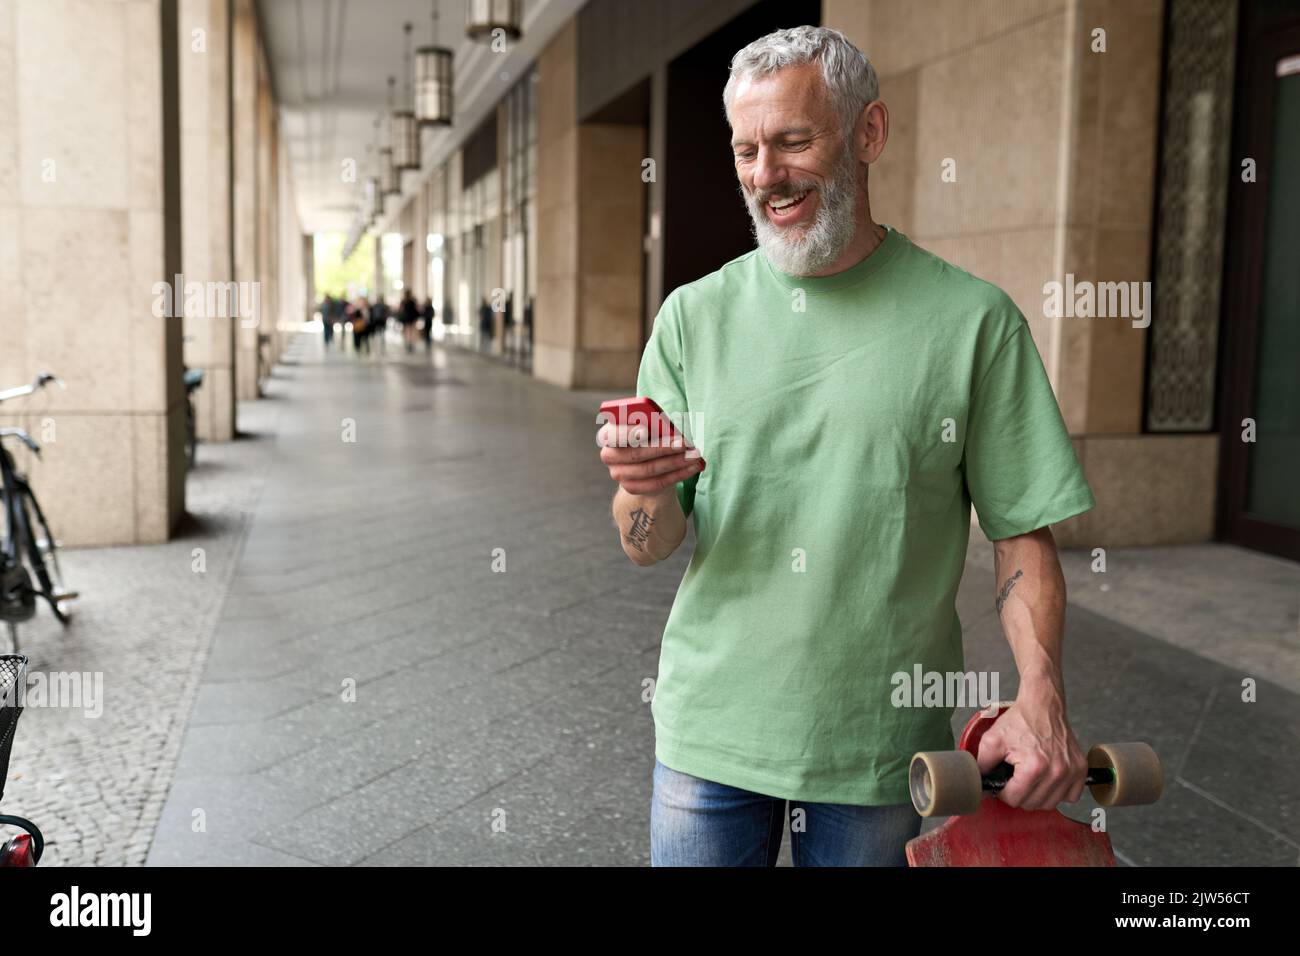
(801, 182)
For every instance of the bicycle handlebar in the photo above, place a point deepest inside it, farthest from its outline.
(42, 379)
(23, 437)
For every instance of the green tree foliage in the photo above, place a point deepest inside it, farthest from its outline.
(352, 278)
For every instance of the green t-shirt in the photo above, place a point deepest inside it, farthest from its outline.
(848, 423)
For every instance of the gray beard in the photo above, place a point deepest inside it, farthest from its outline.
(802, 253)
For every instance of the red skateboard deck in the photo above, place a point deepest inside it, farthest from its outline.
(1000, 835)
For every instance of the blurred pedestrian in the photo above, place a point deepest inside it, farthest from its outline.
(327, 318)
(408, 313)
(426, 314)
(508, 339)
(528, 324)
(361, 326)
(378, 323)
(337, 315)
(485, 326)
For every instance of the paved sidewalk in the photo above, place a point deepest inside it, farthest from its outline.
(499, 717)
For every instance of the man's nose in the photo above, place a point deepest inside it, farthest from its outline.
(768, 171)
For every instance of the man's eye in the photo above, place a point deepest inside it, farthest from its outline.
(799, 145)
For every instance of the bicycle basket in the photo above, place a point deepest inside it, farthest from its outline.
(13, 680)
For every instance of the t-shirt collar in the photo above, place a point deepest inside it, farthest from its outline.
(872, 264)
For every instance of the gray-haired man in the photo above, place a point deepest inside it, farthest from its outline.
(853, 396)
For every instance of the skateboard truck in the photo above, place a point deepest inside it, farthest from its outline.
(949, 783)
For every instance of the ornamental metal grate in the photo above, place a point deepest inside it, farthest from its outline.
(1193, 186)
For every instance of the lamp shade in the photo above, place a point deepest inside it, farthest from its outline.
(388, 183)
(487, 16)
(354, 237)
(434, 85)
(370, 197)
(405, 137)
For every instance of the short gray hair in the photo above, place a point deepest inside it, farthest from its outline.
(849, 75)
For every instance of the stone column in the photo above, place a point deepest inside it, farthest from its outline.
(205, 47)
(90, 200)
(589, 313)
(265, 211)
(419, 279)
(308, 278)
(295, 296)
(1053, 143)
(245, 146)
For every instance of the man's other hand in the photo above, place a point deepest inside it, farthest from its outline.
(1035, 738)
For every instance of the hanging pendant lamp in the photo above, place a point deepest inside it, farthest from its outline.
(389, 181)
(370, 198)
(404, 134)
(434, 81)
(485, 17)
(388, 173)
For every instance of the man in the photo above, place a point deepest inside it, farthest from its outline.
(426, 328)
(485, 326)
(853, 395)
(327, 318)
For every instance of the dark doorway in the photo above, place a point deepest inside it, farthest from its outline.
(705, 223)
(1260, 506)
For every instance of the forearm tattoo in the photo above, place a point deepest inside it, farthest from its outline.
(639, 534)
(1006, 590)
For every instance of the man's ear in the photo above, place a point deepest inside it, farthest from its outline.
(872, 131)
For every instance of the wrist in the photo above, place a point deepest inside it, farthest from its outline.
(1043, 688)
(654, 498)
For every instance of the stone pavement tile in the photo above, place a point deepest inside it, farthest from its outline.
(244, 701)
(543, 814)
(345, 763)
(326, 665)
(242, 748)
(1236, 607)
(352, 827)
(1265, 788)
(450, 768)
(1184, 829)
(264, 649)
(233, 808)
(406, 731)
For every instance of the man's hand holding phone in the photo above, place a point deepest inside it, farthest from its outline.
(645, 454)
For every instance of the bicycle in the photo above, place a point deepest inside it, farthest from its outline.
(22, 553)
(25, 849)
(193, 380)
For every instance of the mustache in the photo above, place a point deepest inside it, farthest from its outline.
(767, 195)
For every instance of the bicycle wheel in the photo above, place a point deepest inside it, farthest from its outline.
(191, 437)
(43, 554)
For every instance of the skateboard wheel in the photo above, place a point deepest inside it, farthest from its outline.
(945, 783)
(1139, 777)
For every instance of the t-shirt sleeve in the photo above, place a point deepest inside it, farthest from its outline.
(1019, 465)
(662, 376)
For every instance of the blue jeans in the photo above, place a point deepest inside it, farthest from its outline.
(696, 822)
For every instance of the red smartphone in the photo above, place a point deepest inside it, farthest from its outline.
(643, 411)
